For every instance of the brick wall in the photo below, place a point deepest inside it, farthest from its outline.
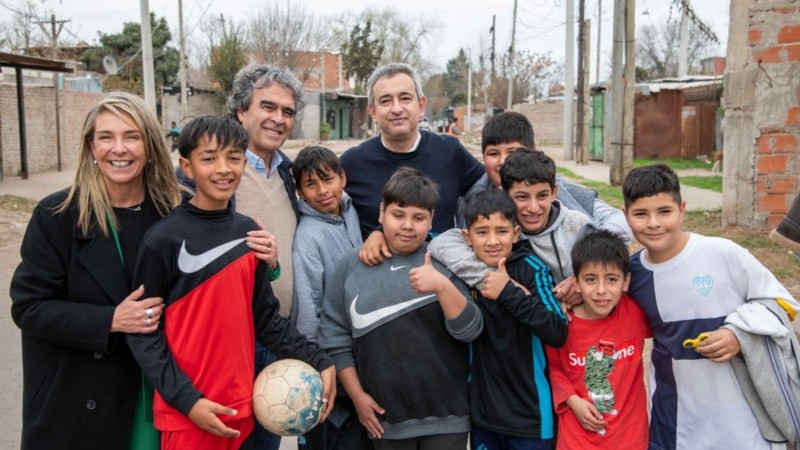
(762, 109)
(40, 122)
(547, 120)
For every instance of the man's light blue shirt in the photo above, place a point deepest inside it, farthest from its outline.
(260, 165)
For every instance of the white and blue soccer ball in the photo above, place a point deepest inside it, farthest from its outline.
(287, 397)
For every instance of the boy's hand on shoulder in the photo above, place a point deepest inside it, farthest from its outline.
(374, 250)
(263, 244)
(426, 278)
(494, 282)
(586, 413)
(367, 409)
(721, 345)
(204, 414)
(567, 292)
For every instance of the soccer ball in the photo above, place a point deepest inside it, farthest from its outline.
(287, 397)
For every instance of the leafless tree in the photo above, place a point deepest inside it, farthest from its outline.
(21, 32)
(657, 49)
(285, 34)
(534, 75)
(405, 38)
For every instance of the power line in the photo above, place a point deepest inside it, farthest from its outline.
(690, 14)
(205, 11)
(17, 11)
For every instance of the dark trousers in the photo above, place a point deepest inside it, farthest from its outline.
(455, 441)
(483, 439)
(350, 435)
(261, 438)
(326, 436)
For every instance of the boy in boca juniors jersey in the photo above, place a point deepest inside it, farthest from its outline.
(597, 376)
(218, 302)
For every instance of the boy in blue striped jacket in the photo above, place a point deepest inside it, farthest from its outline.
(510, 398)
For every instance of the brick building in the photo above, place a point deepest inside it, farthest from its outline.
(762, 112)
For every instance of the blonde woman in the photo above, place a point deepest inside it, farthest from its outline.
(72, 294)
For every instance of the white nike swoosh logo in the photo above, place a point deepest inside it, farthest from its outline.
(188, 263)
(361, 321)
(393, 268)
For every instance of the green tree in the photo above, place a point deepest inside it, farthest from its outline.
(454, 80)
(437, 102)
(361, 54)
(226, 58)
(126, 46)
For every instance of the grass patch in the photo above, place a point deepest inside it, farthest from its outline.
(17, 203)
(713, 183)
(549, 143)
(675, 163)
(756, 242)
(609, 194)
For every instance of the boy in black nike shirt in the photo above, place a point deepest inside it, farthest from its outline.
(397, 330)
(218, 301)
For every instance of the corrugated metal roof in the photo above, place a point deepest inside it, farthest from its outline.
(674, 84)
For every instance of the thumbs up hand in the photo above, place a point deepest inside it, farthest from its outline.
(426, 278)
(494, 282)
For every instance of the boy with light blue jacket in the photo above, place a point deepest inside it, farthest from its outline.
(328, 229)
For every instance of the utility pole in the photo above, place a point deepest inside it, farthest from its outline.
(569, 81)
(511, 57)
(579, 144)
(614, 122)
(584, 111)
(147, 55)
(684, 43)
(323, 117)
(52, 33)
(182, 62)
(491, 30)
(599, 23)
(54, 54)
(630, 87)
(468, 119)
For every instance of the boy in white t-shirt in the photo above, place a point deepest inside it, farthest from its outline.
(688, 284)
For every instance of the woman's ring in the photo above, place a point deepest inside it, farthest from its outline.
(148, 322)
(150, 314)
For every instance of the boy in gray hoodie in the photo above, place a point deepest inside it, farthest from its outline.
(328, 229)
(529, 177)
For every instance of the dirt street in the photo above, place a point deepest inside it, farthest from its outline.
(14, 216)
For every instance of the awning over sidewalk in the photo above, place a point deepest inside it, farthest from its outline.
(19, 62)
(30, 62)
